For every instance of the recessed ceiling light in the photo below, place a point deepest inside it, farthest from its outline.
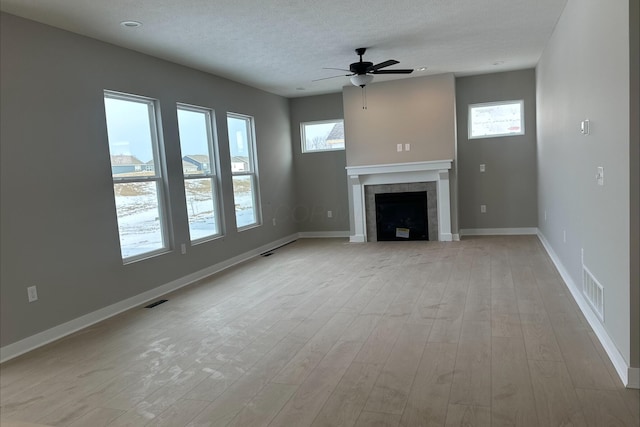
(299, 88)
(131, 24)
(422, 69)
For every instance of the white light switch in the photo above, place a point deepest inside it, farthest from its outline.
(600, 175)
(32, 293)
(407, 147)
(482, 168)
(584, 127)
(483, 208)
(399, 147)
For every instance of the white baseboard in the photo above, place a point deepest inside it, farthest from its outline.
(630, 376)
(357, 238)
(42, 338)
(445, 237)
(322, 234)
(498, 231)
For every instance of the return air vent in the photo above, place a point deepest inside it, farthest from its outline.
(154, 304)
(594, 291)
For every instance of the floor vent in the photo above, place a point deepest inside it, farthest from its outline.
(270, 252)
(153, 304)
(594, 292)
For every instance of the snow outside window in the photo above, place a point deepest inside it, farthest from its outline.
(244, 170)
(494, 119)
(136, 170)
(199, 167)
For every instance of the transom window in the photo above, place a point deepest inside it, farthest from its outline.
(326, 135)
(197, 144)
(495, 119)
(244, 170)
(136, 169)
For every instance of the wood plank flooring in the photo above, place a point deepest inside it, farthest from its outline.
(480, 332)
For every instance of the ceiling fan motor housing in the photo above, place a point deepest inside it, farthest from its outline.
(360, 67)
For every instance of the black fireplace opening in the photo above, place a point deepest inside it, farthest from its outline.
(402, 216)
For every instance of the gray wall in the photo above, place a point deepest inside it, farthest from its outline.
(321, 178)
(634, 175)
(508, 187)
(58, 222)
(418, 111)
(584, 74)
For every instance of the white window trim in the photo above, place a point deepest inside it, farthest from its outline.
(488, 104)
(159, 179)
(252, 173)
(303, 139)
(214, 166)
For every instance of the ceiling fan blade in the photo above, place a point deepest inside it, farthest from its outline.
(339, 69)
(382, 65)
(398, 71)
(332, 77)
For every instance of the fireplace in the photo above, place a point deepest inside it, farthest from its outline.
(401, 216)
(432, 177)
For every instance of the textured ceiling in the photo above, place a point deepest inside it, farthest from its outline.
(282, 45)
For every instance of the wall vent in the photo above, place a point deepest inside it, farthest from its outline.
(154, 304)
(593, 291)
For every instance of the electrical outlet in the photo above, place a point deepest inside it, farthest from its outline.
(600, 175)
(32, 293)
(329, 214)
(482, 168)
(399, 147)
(483, 208)
(407, 147)
(183, 248)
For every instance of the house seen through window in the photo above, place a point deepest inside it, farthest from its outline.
(326, 135)
(244, 170)
(136, 170)
(198, 167)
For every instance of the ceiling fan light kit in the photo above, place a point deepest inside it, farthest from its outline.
(361, 79)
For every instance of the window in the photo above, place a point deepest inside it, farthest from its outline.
(495, 119)
(136, 169)
(243, 170)
(327, 135)
(198, 166)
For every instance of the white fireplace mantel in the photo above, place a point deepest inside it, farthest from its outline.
(399, 173)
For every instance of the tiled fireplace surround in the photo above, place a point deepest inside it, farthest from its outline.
(365, 181)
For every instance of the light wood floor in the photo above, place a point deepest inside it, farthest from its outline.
(327, 333)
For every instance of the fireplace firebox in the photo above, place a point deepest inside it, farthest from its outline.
(402, 216)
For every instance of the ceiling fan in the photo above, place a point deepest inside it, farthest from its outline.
(362, 72)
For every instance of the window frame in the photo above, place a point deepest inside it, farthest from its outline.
(212, 174)
(252, 173)
(303, 138)
(494, 103)
(158, 178)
